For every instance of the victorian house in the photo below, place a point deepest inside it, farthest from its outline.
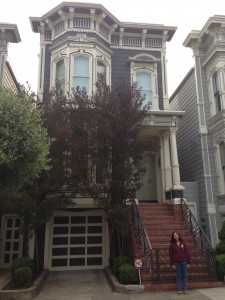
(10, 224)
(8, 34)
(78, 41)
(201, 134)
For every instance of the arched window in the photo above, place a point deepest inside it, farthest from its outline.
(101, 70)
(81, 77)
(143, 80)
(60, 75)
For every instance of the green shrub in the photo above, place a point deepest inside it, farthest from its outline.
(22, 277)
(23, 262)
(119, 261)
(220, 266)
(221, 233)
(220, 248)
(128, 274)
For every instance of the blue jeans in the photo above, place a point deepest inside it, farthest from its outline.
(181, 276)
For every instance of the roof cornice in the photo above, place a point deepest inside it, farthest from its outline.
(11, 31)
(35, 21)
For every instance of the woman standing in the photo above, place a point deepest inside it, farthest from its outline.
(180, 260)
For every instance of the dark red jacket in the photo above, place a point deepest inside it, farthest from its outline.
(179, 254)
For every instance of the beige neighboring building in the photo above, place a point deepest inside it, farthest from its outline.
(8, 34)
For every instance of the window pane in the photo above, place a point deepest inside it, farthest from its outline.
(81, 66)
(60, 69)
(81, 83)
(148, 96)
(143, 80)
(101, 69)
(81, 73)
(60, 75)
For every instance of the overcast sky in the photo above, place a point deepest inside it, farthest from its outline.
(185, 15)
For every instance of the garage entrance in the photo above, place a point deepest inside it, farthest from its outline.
(77, 240)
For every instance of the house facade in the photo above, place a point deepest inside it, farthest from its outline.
(79, 41)
(8, 34)
(10, 224)
(201, 133)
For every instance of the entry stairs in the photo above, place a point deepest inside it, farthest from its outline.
(158, 221)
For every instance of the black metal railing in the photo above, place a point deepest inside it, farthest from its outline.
(203, 263)
(200, 238)
(142, 235)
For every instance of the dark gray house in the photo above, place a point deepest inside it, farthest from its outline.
(78, 41)
(201, 134)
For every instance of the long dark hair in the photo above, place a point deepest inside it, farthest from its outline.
(172, 240)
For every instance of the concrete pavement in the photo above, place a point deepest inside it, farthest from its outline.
(93, 285)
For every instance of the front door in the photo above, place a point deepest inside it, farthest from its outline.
(12, 240)
(148, 191)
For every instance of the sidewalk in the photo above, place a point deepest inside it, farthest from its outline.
(93, 285)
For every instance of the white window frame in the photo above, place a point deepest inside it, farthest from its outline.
(218, 71)
(107, 63)
(89, 90)
(216, 92)
(67, 53)
(54, 68)
(151, 84)
(73, 57)
(146, 63)
(60, 79)
(219, 168)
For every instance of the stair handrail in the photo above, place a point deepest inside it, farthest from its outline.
(142, 234)
(199, 235)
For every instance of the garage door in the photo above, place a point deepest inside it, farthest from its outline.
(77, 242)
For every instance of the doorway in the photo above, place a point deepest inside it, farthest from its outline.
(148, 190)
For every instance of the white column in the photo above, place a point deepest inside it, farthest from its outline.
(174, 160)
(164, 71)
(167, 162)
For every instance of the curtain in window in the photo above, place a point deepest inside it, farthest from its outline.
(60, 75)
(143, 80)
(81, 73)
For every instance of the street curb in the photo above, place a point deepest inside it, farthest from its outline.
(29, 293)
(122, 288)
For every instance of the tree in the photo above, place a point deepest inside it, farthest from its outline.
(117, 152)
(24, 142)
(97, 147)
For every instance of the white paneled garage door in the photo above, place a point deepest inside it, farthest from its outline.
(77, 241)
